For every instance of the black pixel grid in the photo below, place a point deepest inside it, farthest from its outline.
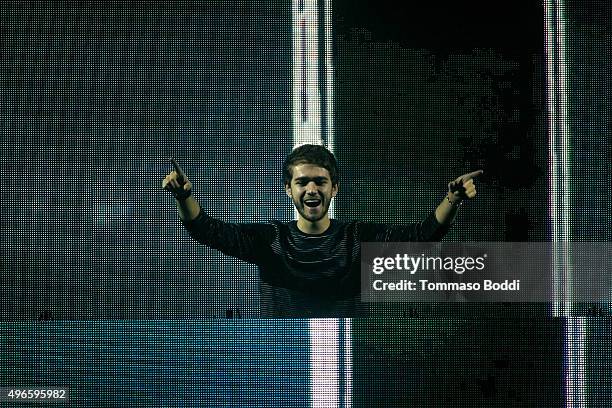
(95, 98)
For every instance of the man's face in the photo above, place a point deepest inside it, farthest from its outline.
(311, 190)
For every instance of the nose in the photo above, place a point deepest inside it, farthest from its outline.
(311, 188)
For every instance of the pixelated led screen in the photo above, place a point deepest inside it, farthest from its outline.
(96, 267)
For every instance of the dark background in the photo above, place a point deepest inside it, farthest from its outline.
(94, 98)
(426, 93)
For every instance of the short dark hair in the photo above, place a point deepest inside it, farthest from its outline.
(311, 154)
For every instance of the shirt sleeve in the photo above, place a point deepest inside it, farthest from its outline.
(428, 230)
(248, 242)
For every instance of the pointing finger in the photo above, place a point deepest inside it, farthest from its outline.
(471, 175)
(178, 169)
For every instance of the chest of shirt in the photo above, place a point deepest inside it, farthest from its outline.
(326, 256)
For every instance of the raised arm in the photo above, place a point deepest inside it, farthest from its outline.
(459, 189)
(249, 242)
(179, 185)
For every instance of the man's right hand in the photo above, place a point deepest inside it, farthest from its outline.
(177, 182)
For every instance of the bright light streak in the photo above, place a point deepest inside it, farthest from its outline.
(324, 375)
(348, 363)
(574, 363)
(560, 209)
(330, 370)
(306, 96)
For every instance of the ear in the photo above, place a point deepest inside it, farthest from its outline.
(335, 189)
(288, 190)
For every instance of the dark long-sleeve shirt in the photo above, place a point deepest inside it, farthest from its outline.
(307, 275)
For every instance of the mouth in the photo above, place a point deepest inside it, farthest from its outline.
(312, 202)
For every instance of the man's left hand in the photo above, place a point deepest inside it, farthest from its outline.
(463, 187)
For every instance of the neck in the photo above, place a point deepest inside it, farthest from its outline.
(313, 227)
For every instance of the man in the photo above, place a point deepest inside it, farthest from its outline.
(312, 265)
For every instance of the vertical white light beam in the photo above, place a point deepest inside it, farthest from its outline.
(306, 97)
(566, 211)
(561, 213)
(329, 76)
(325, 376)
(348, 363)
(329, 80)
(551, 86)
(575, 336)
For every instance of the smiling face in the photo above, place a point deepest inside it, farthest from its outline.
(311, 190)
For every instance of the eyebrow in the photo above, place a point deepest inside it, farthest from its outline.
(316, 179)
